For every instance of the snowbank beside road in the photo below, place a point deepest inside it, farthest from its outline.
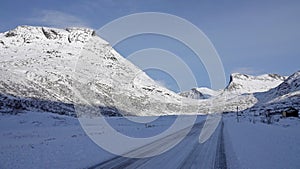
(263, 146)
(47, 140)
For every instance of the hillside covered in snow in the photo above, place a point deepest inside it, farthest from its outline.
(253, 93)
(48, 69)
(200, 93)
(64, 70)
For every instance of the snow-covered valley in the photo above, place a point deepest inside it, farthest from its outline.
(64, 70)
(47, 140)
(52, 78)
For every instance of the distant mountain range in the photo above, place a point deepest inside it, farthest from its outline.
(55, 70)
(254, 93)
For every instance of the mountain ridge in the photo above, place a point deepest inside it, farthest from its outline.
(50, 64)
(50, 69)
(243, 83)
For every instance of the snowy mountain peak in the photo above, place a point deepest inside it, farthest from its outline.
(266, 77)
(193, 94)
(50, 69)
(200, 93)
(37, 73)
(293, 77)
(242, 83)
(291, 84)
(287, 94)
(28, 34)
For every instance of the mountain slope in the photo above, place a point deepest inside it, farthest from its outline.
(245, 91)
(48, 69)
(242, 83)
(270, 91)
(287, 94)
(200, 93)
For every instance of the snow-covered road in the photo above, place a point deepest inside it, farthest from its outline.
(45, 140)
(189, 153)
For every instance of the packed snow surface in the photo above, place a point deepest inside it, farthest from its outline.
(259, 145)
(46, 140)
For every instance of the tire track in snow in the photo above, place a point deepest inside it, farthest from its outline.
(220, 162)
(189, 153)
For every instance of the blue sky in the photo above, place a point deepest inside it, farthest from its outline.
(252, 37)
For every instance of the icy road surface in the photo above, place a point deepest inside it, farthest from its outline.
(189, 153)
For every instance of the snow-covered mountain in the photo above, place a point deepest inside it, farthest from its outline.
(287, 94)
(241, 90)
(269, 91)
(242, 83)
(50, 69)
(247, 92)
(200, 93)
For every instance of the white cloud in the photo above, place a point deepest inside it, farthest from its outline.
(57, 19)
